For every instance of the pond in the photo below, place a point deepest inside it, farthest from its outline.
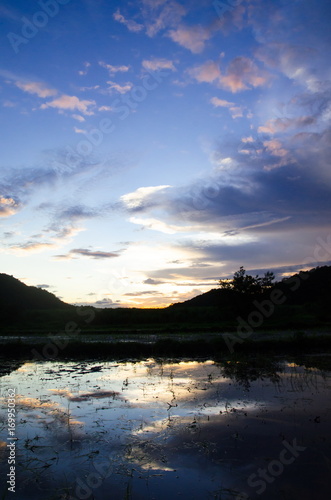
(163, 429)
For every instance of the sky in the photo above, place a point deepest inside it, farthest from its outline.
(150, 148)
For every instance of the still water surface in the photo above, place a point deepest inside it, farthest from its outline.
(168, 429)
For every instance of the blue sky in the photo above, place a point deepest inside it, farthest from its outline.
(149, 148)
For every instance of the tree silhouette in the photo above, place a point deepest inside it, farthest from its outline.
(246, 284)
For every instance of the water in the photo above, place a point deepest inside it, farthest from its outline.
(165, 429)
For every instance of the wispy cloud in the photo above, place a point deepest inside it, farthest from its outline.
(36, 88)
(161, 15)
(158, 225)
(79, 118)
(236, 111)
(79, 130)
(84, 72)
(121, 89)
(155, 16)
(157, 64)
(114, 69)
(9, 104)
(282, 124)
(32, 247)
(85, 252)
(105, 108)
(129, 23)
(151, 281)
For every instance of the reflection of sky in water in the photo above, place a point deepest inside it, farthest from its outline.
(163, 429)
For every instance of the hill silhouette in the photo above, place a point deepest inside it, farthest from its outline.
(305, 287)
(18, 299)
(306, 298)
(15, 294)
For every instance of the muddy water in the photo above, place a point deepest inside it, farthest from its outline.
(163, 430)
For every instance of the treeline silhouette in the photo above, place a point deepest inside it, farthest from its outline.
(306, 298)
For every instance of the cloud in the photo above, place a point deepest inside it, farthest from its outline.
(8, 206)
(9, 104)
(91, 87)
(43, 286)
(293, 61)
(158, 225)
(79, 130)
(151, 281)
(157, 64)
(32, 246)
(74, 213)
(84, 252)
(221, 103)
(105, 108)
(36, 88)
(275, 148)
(114, 69)
(105, 303)
(130, 24)
(241, 74)
(282, 124)
(207, 72)
(121, 89)
(192, 38)
(84, 72)
(155, 16)
(236, 111)
(248, 200)
(67, 102)
(138, 294)
(17, 186)
(78, 118)
(161, 15)
(9, 234)
(139, 199)
(247, 140)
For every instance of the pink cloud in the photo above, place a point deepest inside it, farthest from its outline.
(221, 103)
(8, 206)
(207, 72)
(275, 148)
(67, 102)
(282, 124)
(236, 111)
(36, 88)
(242, 74)
(192, 38)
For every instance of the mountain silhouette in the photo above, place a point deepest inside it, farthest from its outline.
(15, 296)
